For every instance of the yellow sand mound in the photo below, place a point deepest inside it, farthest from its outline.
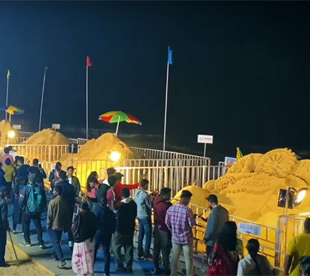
(102, 147)
(48, 137)
(250, 188)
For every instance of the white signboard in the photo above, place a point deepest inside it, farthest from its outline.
(205, 139)
(55, 126)
(17, 126)
(249, 229)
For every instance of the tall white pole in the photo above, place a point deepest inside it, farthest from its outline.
(117, 126)
(166, 107)
(7, 94)
(42, 97)
(86, 99)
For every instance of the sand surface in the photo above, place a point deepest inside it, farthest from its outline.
(24, 268)
(48, 137)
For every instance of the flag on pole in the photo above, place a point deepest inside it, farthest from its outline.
(8, 75)
(89, 63)
(239, 154)
(170, 55)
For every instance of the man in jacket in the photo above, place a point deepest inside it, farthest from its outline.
(68, 195)
(144, 210)
(103, 190)
(125, 227)
(32, 202)
(39, 171)
(59, 217)
(219, 215)
(162, 235)
(4, 225)
(74, 181)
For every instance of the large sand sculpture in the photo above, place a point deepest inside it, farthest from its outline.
(47, 137)
(5, 127)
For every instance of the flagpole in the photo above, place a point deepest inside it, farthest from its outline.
(42, 97)
(166, 107)
(86, 99)
(7, 94)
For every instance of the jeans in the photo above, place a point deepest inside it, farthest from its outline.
(104, 239)
(2, 245)
(188, 257)
(26, 219)
(162, 242)
(145, 228)
(126, 241)
(55, 237)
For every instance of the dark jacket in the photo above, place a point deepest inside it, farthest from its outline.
(4, 224)
(160, 207)
(40, 174)
(102, 194)
(22, 174)
(216, 220)
(126, 216)
(68, 192)
(88, 226)
(76, 185)
(2, 179)
(106, 220)
(59, 215)
(24, 195)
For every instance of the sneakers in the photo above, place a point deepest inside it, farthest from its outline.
(26, 244)
(42, 246)
(5, 265)
(148, 258)
(140, 257)
(63, 265)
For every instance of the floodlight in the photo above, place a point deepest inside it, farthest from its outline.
(115, 156)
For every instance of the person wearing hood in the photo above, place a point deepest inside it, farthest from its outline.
(125, 228)
(144, 210)
(162, 235)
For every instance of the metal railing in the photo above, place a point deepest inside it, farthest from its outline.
(42, 152)
(269, 245)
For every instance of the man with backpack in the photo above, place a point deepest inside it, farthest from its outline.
(32, 203)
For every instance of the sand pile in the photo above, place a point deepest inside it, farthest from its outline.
(250, 188)
(102, 147)
(5, 127)
(48, 137)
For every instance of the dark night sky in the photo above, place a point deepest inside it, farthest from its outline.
(240, 72)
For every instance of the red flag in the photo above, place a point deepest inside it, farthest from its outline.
(89, 63)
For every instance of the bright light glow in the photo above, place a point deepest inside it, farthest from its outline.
(305, 214)
(115, 156)
(11, 134)
(300, 196)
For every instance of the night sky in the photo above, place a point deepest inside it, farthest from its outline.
(240, 70)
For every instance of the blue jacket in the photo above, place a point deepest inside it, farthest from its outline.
(144, 205)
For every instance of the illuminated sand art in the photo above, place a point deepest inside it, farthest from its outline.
(47, 137)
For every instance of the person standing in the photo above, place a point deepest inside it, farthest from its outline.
(39, 171)
(91, 198)
(84, 244)
(180, 221)
(32, 204)
(144, 210)
(5, 156)
(59, 219)
(68, 195)
(254, 263)
(125, 228)
(74, 181)
(105, 186)
(106, 227)
(162, 235)
(219, 215)
(9, 172)
(119, 187)
(4, 225)
(54, 177)
(111, 196)
(298, 247)
(22, 171)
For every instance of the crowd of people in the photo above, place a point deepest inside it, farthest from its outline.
(104, 217)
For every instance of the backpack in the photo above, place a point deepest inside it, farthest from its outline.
(76, 221)
(35, 200)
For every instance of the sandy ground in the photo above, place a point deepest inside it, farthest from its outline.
(23, 268)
